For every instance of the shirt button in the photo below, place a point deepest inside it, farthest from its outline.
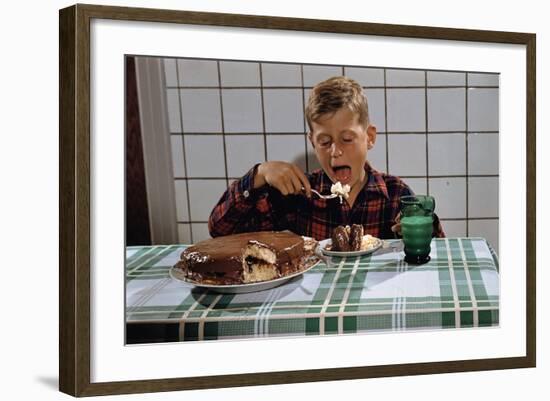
(246, 194)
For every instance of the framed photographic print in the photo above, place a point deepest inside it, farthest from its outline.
(193, 252)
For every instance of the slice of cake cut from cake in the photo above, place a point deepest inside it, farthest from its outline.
(247, 257)
(346, 238)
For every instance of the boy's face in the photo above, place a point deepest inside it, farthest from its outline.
(341, 144)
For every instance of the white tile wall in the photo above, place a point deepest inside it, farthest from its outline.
(174, 120)
(290, 148)
(446, 109)
(281, 75)
(483, 109)
(200, 231)
(376, 101)
(317, 73)
(405, 78)
(233, 73)
(243, 152)
(407, 154)
(242, 110)
(201, 110)
(178, 162)
(377, 155)
(182, 211)
(170, 72)
(313, 163)
(184, 233)
(366, 76)
(483, 196)
(418, 185)
(197, 146)
(447, 154)
(406, 110)
(198, 73)
(208, 107)
(450, 195)
(284, 110)
(487, 229)
(483, 153)
(454, 228)
(203, 195)
(483, 79)
(444, 78)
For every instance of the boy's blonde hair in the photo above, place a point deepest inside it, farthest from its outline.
(334, 93)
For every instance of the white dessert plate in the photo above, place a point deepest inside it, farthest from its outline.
(327, 243)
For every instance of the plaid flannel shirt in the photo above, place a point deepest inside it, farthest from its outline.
(244, 209)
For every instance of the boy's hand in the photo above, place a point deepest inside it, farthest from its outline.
(286, 177)
(396, 228)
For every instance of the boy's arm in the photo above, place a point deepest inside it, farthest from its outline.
(438, 228)
(241, 208)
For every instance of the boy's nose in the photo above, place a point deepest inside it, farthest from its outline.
(334, 151)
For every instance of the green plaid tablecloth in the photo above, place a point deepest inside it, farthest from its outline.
(458, 288)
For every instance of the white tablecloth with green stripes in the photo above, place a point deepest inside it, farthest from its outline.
(458, 288)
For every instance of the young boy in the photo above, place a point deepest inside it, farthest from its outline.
(276, 195)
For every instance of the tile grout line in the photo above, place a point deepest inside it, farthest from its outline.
(304, 113)
(223, 124)
(467, 157)
(336, 65)
(263, 110)
(184, 152)
(386, 124)
(310, 87)
(426, 128)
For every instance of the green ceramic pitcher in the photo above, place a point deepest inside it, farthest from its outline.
(417, 227)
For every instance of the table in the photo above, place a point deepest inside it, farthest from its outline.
(458, 288)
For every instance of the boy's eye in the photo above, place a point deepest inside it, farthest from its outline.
(324, 143)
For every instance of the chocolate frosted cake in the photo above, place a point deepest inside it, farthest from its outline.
(246, 258)
(346, 238)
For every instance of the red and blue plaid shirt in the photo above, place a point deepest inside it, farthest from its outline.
(244, 209)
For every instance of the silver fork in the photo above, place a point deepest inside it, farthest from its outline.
(331, 196)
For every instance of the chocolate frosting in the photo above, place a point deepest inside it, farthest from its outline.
(224, 254)
(356, 237)
(340, 239)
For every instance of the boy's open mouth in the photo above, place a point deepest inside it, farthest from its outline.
(342, 173)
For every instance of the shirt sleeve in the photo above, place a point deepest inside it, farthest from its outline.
(438, 228)
(242, 208)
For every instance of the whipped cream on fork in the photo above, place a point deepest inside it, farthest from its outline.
(341, 190)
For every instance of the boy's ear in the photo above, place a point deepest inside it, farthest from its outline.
(371, 136)
(310, 137)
